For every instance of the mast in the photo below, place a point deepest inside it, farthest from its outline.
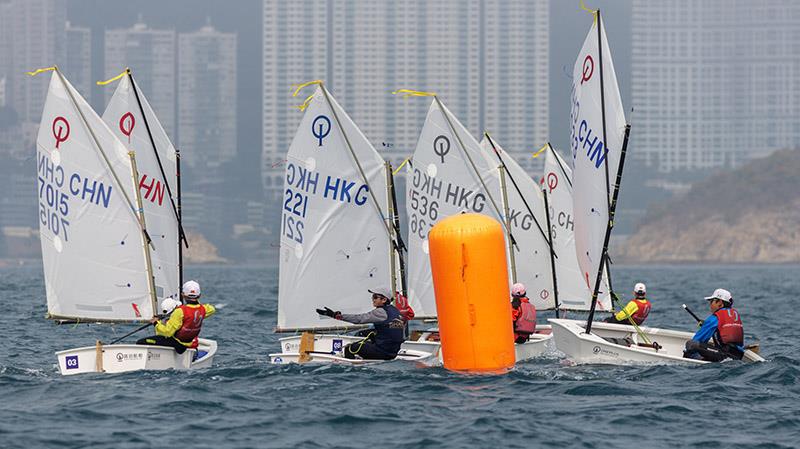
(180, 218)
(507, 220)
(603, 259)
(605, 165)
(401, 246)
(392, 246)
(552, 253)
(175, 209)
(603, 105)
(151, 283)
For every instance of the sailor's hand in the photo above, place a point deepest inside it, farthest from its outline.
(154, 320)
(328, 312)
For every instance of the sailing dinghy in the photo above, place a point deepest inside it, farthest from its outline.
(572, 292)
(337, 235)
(96, 250)
(449, 174)
(599, 138)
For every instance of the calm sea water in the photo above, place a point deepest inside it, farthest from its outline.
(244, 402)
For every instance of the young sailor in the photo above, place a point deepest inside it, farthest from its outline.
(637, 309)
(523, 314)
(183, 327)
(384, 341)
(724, 325)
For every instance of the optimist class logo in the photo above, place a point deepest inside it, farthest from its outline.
(126, 124)
(60, 130)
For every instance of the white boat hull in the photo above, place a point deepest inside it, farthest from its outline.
(580, 347)
(123, 358)
(328, 349)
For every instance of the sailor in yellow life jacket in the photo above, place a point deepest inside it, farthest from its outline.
(183, 326)
(637, 309)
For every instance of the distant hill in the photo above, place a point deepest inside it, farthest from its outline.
(751, 214)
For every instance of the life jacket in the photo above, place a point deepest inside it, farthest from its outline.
(526, 318)
(406, 312)
(389, 333)
(729, 326)
(642, 310)
(192, 322)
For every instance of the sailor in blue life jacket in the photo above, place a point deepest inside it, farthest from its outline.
(384, 340)
(636, 310)
(724, 326)
(182, 329)
(523, 314)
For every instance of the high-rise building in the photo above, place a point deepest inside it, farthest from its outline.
(150, 54)
(2, 91)
(207, 98)
(487, 60)
(207, 125)
(78, 59)
(714, 83)
(32, 36)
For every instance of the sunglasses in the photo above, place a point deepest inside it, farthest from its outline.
(376, 296)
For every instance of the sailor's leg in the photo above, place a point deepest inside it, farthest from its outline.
(179, 348)
(372, 352)
(153, 340)
(349, 351)
(697, 350)
(160, 340)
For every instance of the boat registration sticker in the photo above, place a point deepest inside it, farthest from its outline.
(71, 361)
(337, 345)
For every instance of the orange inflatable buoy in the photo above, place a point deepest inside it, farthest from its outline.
(470, 281)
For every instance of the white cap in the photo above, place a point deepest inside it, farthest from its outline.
(168, 305)
(518, 289)
(383, 291)
(721, 294)
(191, 289)
(640, 288)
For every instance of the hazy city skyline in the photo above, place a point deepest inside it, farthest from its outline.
(499, 65)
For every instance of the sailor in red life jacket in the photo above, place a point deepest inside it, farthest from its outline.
(724, 326)
(523, 314)
(183, 326)
(636, 310)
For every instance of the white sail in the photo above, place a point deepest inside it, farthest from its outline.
(441, 182)
(593, 181)
(124, 117)
(92, 245)
(573, 293)
(532, 252)
(334, 241)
